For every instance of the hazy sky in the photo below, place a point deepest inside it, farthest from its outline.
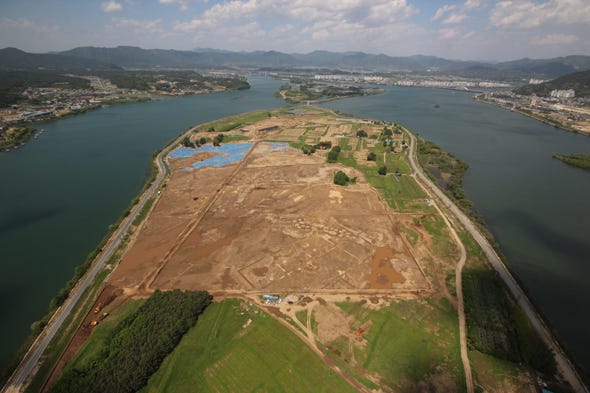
(469, 29)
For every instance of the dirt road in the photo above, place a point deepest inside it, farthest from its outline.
(458, 271)
(565, 366)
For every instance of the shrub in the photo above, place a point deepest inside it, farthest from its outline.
(382, 170)
(371, 156)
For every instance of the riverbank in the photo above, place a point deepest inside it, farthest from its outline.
(566, 367)
(86, 275)
(531, 114)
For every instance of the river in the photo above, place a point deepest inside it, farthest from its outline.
(536, 207)
(60, 192)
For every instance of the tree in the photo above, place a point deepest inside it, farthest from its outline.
(387, 132)
(203, 141)
(308, 149)
(333, 156)
(382, 170)
(186, 142)
(371, 156)
(211, 129)
(341, 178)
(361, 134)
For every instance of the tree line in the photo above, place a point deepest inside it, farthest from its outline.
(137, 346)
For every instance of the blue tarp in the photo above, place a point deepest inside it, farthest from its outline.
(228, 153)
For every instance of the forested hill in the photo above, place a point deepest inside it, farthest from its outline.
(12, 59)
(579, 81)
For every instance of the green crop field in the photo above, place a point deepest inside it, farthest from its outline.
(223, 353)
(409, 343)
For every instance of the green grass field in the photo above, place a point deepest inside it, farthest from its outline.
(224, 354)
(410, 343)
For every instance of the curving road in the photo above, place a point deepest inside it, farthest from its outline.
(21, 376)
(564, 365)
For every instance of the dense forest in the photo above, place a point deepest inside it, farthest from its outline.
(137, 346)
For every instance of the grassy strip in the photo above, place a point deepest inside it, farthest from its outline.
(65, 334)
(144, 211)
(577, 160)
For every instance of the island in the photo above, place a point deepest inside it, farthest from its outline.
(297, 249)
(577, 160)
(300, 90)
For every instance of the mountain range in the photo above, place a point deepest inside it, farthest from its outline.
(129, 57)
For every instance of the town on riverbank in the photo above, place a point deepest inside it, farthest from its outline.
(31, 97)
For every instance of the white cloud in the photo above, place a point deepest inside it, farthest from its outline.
(556, 39)
(136, 25)
(25, 24)
(471, 4)
(366, 13)
(182, 4)
(454, 18)
(442, 11)
(111, 6)
(527, 14)
(447, 34)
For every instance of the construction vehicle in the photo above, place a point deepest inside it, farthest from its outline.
(362, 329)
(104, 315)
(93, 323)
(98, 307)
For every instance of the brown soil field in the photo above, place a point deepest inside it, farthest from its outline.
(277, 222)
(272, 222)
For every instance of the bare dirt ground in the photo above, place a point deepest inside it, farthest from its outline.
(278, 224)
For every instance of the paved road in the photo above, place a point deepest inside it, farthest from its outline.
(24, 371)
(566, 368)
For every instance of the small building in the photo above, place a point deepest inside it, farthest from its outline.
(271, 128)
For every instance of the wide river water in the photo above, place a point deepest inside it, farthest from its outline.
(60, 192)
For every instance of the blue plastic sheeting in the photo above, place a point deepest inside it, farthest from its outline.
(279, 146)
(227, 154)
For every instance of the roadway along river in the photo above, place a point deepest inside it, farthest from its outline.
(60, 192)
(536, 207)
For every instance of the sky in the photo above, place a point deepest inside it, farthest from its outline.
(467, 30)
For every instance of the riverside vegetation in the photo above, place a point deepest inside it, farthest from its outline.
(577, 160)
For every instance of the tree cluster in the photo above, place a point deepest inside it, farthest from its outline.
(218, 139)
(137, 346)
(342, 179)
(333, 154)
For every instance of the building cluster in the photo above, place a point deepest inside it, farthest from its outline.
(49, 102)
(563, 93)
(350, 78)
(450, 83)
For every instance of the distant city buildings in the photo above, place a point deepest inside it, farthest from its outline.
(563, 93)
(534, 81)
